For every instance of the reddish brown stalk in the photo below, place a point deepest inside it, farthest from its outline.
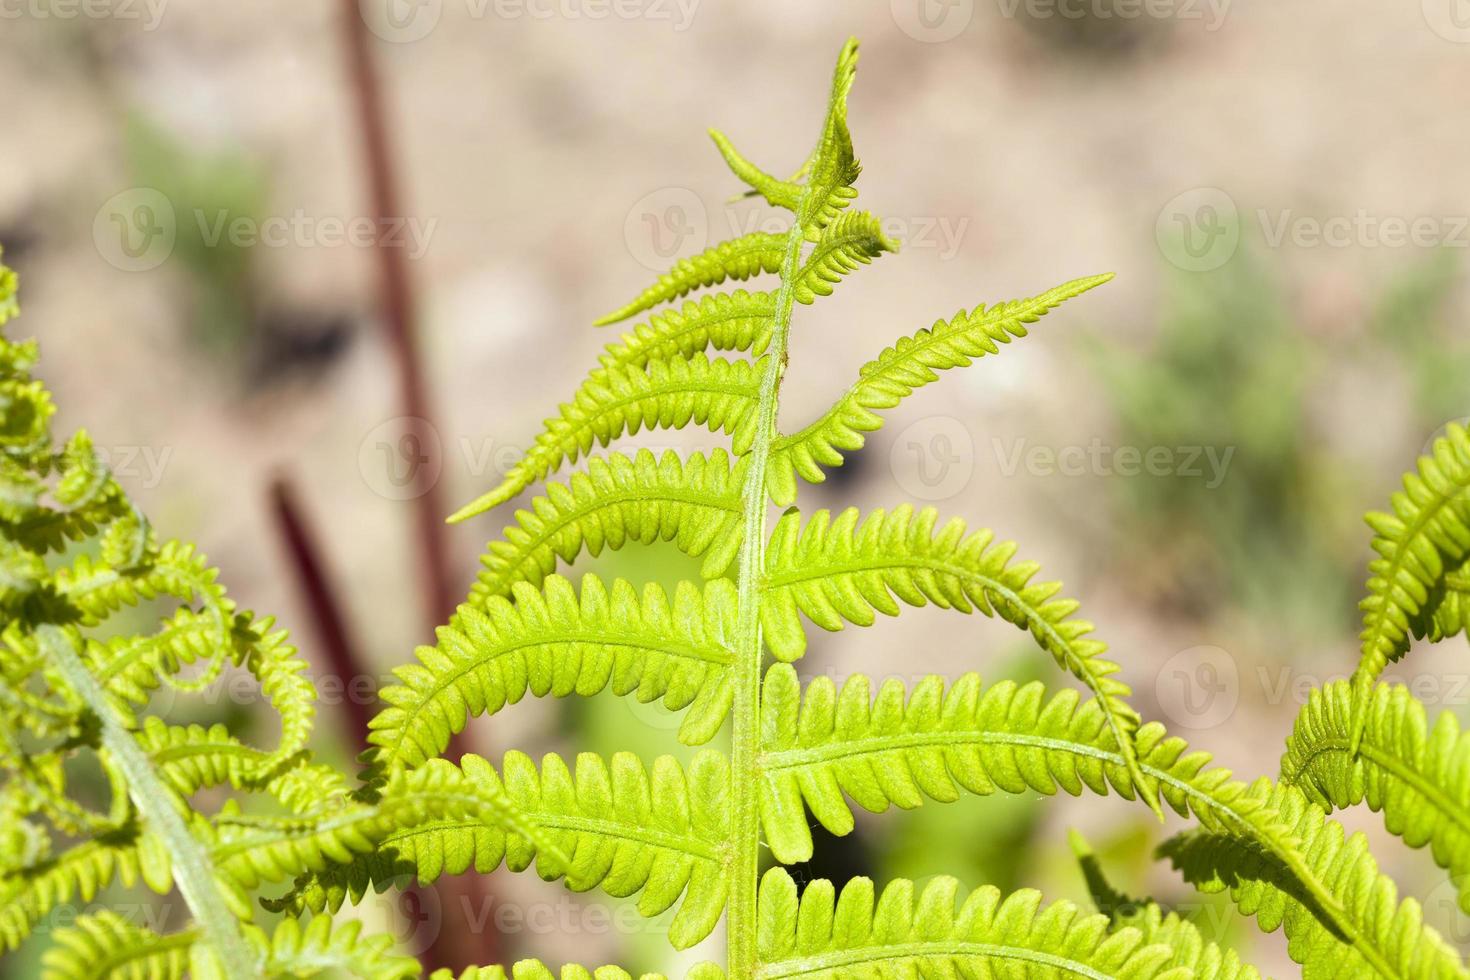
(463, 899)
(396, 305)
(333, 637)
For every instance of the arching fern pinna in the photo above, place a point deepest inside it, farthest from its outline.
(689, 837)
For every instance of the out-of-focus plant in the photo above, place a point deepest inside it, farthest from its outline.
(1229, 374)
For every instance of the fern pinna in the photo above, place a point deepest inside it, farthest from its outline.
(688, 837)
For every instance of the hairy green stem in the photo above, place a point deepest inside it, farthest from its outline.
(745, 757)
(192, 868)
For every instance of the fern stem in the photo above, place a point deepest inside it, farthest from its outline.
(192, 867)
(745, 757)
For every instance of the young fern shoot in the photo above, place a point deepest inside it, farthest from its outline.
(689, 837)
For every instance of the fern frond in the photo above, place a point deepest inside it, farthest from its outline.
(736, 321)
(833, 167)
(30, 893)
(192, 758)
(661, 835)
(717, 394)
(1340, 913)
(1205, 960)
(899, 934)
(133, 667)
(106, 946)
(853, 239)
(560, 643)
(894, 375)
(1428, 531)
(251, 852)
(837, 571)
(739, 258)
(778, 193)
(693, 502)
(1416, 774)
(322, 948)
(1452, 613)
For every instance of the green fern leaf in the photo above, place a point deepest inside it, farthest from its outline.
(1412, 772)
(1427, 534)
(833, 167)
(899, 934)
(661, 834)
(894, 374)
(854, 239)
(737, 321)
(559, 643)
(839, 571)
(1014, 740)
(778, 193)
(79, 872)
(739, 258)
(105, 946)
(254, 851)
(322, 948)
(1203, 959)
(693, 502)
(717, 394)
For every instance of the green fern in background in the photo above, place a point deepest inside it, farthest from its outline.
(689, 836)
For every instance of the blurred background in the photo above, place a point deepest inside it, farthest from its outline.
(192, 193)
